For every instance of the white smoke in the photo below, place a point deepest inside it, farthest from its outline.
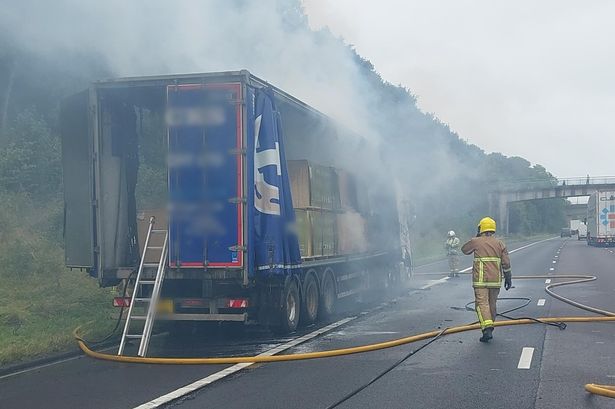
(136, 38)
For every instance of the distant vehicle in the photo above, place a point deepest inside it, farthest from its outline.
(566, 232)
(232, 242)
(574, 226)
(582, 231)
(601, 219)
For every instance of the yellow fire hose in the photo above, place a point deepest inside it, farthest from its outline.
(602, 390)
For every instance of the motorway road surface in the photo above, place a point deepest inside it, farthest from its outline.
(523, 367)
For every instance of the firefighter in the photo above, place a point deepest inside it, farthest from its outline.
(491, 261)
(452, 252)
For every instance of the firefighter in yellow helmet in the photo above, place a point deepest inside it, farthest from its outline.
(491, 261)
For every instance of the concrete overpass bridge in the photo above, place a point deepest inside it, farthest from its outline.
(576, 211)
(501, 198)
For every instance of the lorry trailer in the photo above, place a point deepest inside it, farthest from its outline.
(220, 197)
(601, 218)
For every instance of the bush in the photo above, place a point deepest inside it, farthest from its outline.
(30, 158)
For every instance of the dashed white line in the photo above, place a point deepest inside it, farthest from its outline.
(541, 302)
(554, 261)
(551, 268)
(178, 393)
(548, 281)
(525, 360)
(436, 282)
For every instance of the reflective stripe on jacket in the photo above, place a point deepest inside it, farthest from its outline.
(490, 261)
(452, 245)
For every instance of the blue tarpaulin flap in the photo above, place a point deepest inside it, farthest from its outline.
(276, 247)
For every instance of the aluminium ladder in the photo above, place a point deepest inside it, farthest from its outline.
(150, 303)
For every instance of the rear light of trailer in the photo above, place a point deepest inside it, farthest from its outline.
(238, 303)
(121, 302)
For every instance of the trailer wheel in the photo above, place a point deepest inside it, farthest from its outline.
(291, 307)
(310, 299)
(328, 295)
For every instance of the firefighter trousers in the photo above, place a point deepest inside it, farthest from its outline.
(453, 263)
(486, 299)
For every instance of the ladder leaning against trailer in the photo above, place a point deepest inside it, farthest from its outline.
(150, 302)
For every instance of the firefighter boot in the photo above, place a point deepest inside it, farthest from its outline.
(487, 334)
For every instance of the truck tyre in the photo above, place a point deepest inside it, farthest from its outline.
(328, 296)
(291, 307)
(310, 300)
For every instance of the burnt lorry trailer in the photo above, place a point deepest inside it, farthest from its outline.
(219, 197)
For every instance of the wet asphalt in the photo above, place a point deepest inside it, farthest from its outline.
(455, 371)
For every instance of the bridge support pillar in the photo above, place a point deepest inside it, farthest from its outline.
(503, 215)
(498, 209)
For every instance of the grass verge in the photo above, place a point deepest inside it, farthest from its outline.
(38, 314)
(41, 301)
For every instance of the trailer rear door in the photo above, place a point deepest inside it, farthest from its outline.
(78, 183)
(205, 175)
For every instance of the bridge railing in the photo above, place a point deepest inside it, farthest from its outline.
(594, 180)
(531, 184)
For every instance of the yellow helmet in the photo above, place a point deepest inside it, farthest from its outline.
(486, 224)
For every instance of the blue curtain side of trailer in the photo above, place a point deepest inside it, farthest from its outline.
(274, 242)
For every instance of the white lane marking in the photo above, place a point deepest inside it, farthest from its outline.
(541, 302)
(548, 281)
(185, 390)
(36, 368)
(435, 282)
(551, 268)
(525, 360)
(555, 256)
(437, 273)
(531, 244)
(554, 261)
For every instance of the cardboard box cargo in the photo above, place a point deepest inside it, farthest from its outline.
(313, 186)
(324, 234)
(316, 230)
(162, 221)
(347, 187)
(351, 233)
(304, 232)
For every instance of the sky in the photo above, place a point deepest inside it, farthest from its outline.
(526, 78)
